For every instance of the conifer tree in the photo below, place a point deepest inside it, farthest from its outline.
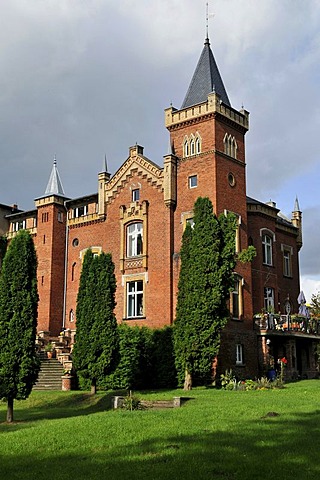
(19, 364)
(206, 276)
(95, 352)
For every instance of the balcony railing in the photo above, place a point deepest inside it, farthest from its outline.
(287, 323)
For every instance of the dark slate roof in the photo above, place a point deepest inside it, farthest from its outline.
(205, 80)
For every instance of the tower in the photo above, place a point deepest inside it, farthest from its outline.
(50, 245)
(208, 138)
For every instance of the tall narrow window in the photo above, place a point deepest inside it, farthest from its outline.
(186, 148)
(135, 299)
(236, 298)
(73, 268)
(192, 147)
(198, 145)
(239, 354)
(267, 249)
(269, 299)
(287, 268)
(134, 239)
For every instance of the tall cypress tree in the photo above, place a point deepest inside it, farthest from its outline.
(206, 276)
(95, 352)
(19, 364)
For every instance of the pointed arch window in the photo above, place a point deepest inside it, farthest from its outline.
(186, 148)
(198, 145)
(230, 146)
(192, 146)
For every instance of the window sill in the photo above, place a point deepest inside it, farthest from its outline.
(133, 318)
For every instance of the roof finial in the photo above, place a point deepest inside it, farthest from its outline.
(105, 163)
(208, 15)
(207, 21)
(54, 159)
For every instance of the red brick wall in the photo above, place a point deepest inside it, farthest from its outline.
(50, 246)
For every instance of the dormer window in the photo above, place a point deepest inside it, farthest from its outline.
(80, 211)
(20, 225)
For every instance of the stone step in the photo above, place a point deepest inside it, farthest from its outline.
(49, 377)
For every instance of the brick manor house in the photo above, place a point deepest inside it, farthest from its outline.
(139, 214)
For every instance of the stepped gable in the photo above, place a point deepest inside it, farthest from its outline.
(135, 163)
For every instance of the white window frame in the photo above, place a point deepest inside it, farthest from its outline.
(78, 212)
(186, 148)
(135, 297)
(268, 299)
(239, 354)
(267, 249)
(135, 239)
(136, 194)
(193, 181)
(198, 145)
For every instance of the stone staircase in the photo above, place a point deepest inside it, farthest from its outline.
(50, 374)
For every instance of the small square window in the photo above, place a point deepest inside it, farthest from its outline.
(193, 181)
(135, 195)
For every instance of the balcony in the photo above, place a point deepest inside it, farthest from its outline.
(285, 325)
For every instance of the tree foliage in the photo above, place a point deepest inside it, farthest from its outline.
(19, 364)
(3, 248)
(206, 277)
(315, 304)
(95, 352)
(146, 359)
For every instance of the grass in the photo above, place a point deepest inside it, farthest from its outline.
(216, 435)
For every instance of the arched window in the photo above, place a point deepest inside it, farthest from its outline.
(186, 148)
(192, 146)
(267, 249)
(198, 145)
(71, 315)
(134, 239)
(73, 271)
(230, 146)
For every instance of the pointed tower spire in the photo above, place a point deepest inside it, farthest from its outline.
(105, 165)
(296, 207)
(54, 186)
(297, 221)
(205, 80)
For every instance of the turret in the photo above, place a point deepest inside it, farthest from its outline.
(103, 179)
(297, 221)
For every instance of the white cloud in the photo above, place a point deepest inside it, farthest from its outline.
(82, 78)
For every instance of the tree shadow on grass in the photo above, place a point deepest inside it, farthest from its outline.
(61, 405)
(279, 447)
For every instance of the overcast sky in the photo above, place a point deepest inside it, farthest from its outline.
(85, 78)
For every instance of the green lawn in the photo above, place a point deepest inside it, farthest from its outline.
(216, 435)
